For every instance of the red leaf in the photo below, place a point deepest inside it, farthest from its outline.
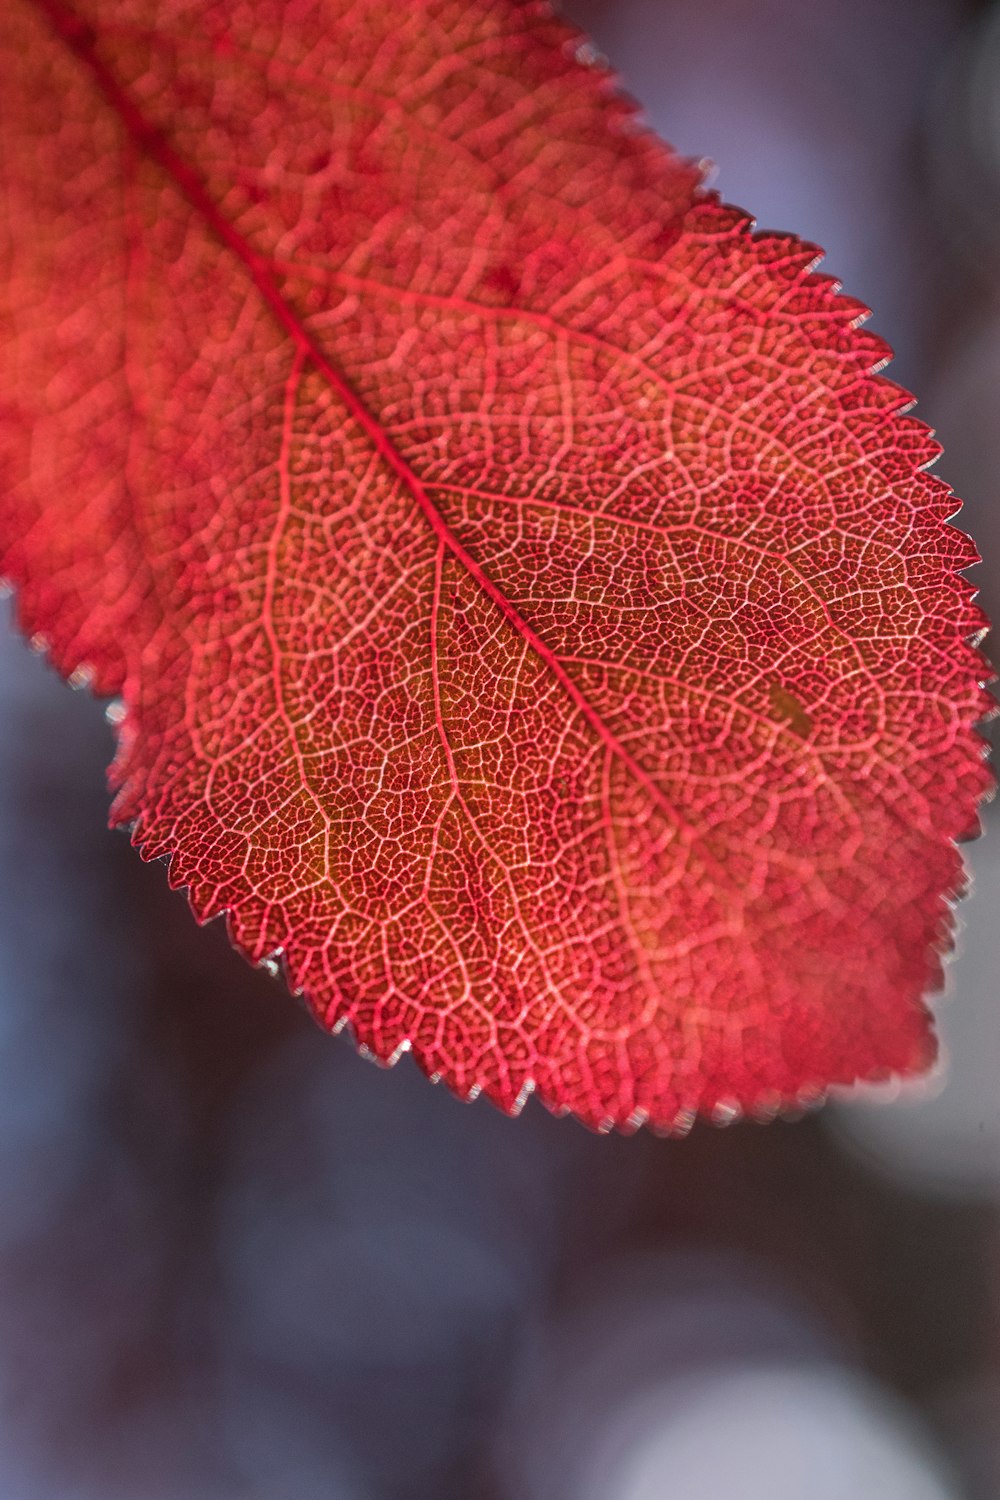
(532, 614)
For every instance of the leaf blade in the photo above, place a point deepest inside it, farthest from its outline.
(532, 615)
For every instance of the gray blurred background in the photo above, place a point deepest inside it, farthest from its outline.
(238, 1261)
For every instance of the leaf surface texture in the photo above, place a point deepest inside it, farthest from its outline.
(531, 612)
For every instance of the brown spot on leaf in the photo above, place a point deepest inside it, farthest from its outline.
(787, 707)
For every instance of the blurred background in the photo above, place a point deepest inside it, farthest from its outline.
(238, 1261)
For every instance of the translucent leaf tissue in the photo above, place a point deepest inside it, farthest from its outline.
(533, 620)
